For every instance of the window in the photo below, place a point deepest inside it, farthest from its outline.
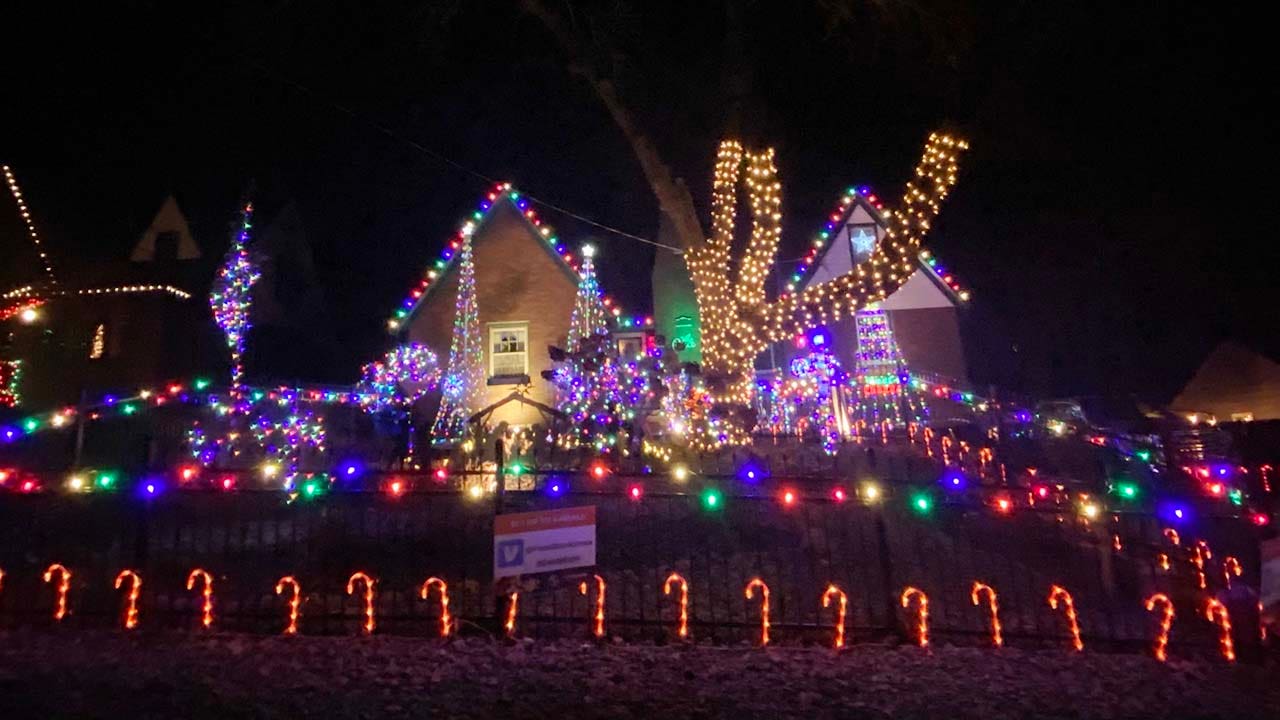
(508, 349)
(630, 346)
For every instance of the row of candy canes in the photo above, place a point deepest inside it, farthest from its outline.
(1215, 612)
(1198, 554)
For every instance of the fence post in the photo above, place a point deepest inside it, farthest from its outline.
(886, 575)
(499, 497)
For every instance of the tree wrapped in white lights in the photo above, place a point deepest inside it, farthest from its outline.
(739, 322)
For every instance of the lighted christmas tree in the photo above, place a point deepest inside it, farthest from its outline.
(232, 297)
(882, 380)
(589, 319)
(464, 377)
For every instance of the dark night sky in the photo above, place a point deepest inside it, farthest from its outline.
(1114, 218)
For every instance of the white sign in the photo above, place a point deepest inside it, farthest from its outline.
(544, 541)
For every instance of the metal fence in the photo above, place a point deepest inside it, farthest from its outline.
(248, 540)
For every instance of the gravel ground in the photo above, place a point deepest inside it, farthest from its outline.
(109, 675)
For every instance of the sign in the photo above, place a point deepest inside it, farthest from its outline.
(1271, 581)
(544, 541)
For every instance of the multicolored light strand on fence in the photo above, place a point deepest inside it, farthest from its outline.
(295, 602)
(206, 594)
(368, 582)
(597, 627)
(1057, 594)
(764, 607)
(64, 587)
(922, 613)
(993, 607)
(446, 623)
(682, 629)
(1161, 647)
(131, 600)
(842, 605)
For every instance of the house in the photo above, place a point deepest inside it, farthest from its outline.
(525, 283)
(1234, 384)
(923, 314)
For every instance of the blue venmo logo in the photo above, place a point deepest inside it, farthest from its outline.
(510, 553)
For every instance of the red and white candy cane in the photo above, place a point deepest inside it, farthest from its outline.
(1230, 566)
(1216, 613)
(922, 614)
(1057, 594)
(1160, 649)
(675, 578)
(1172, 536)
(1200, 554)
(131, 600)
(446, 623)
(361, 577)
(597, 628)
(206, 609)
(842, 605)
(997, 635)
(764, 607)
(512, 608)
(64, 587)
(295, 601)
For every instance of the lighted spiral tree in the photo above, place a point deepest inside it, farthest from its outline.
(738, 321)
(464, 377)
(231, 298)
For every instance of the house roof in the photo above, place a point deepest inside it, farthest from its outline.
(853, 199)
(501, 194)
(1233, 380)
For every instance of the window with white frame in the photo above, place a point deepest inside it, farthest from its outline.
(508, 349)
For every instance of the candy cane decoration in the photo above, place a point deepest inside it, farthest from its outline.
(598, 629)
(131, 600)
(1164, 562)
(928, 437)
(911, 432)
(1172, 536)
(295, 600)
(1198, 559)
(1116, 544)
(206, 612)
(1262, 624)
(1056, 593)
(997, 637)
(1166, 622)
(511, 614)
(368, 598)
(1216, 612)
(922, 618)
(683, 629)
(1230, 566)
(764, 607)
(64, 586)
(842, 601)
(946, 443)
(445, 622)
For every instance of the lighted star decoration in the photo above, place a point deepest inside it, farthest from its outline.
(864, 242)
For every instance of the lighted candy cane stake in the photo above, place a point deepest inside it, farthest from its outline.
(1166, 621)
(1172, 536)
(1056, 593)
(64, 586)
(511, 614)
(842, 605)
(997, 638)
(295, 600)
(764, 607)
(922, 617)
(131, 600)
(1216, 612)
(1201, 554)
(1230, 566)
(206, 611)
(445, 622)
(598, 629)
(683, 629)
(368, 598)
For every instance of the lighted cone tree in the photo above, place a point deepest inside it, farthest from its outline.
(882, 379)
(590, 318)
(231, 298)
(739, 322)
(464, 377)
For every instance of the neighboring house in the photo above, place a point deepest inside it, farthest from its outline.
(1234, 384)
(525, 288)
(923, 314)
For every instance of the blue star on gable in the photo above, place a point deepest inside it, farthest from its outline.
(864, 242)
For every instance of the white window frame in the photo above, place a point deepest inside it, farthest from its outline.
(500, 327)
